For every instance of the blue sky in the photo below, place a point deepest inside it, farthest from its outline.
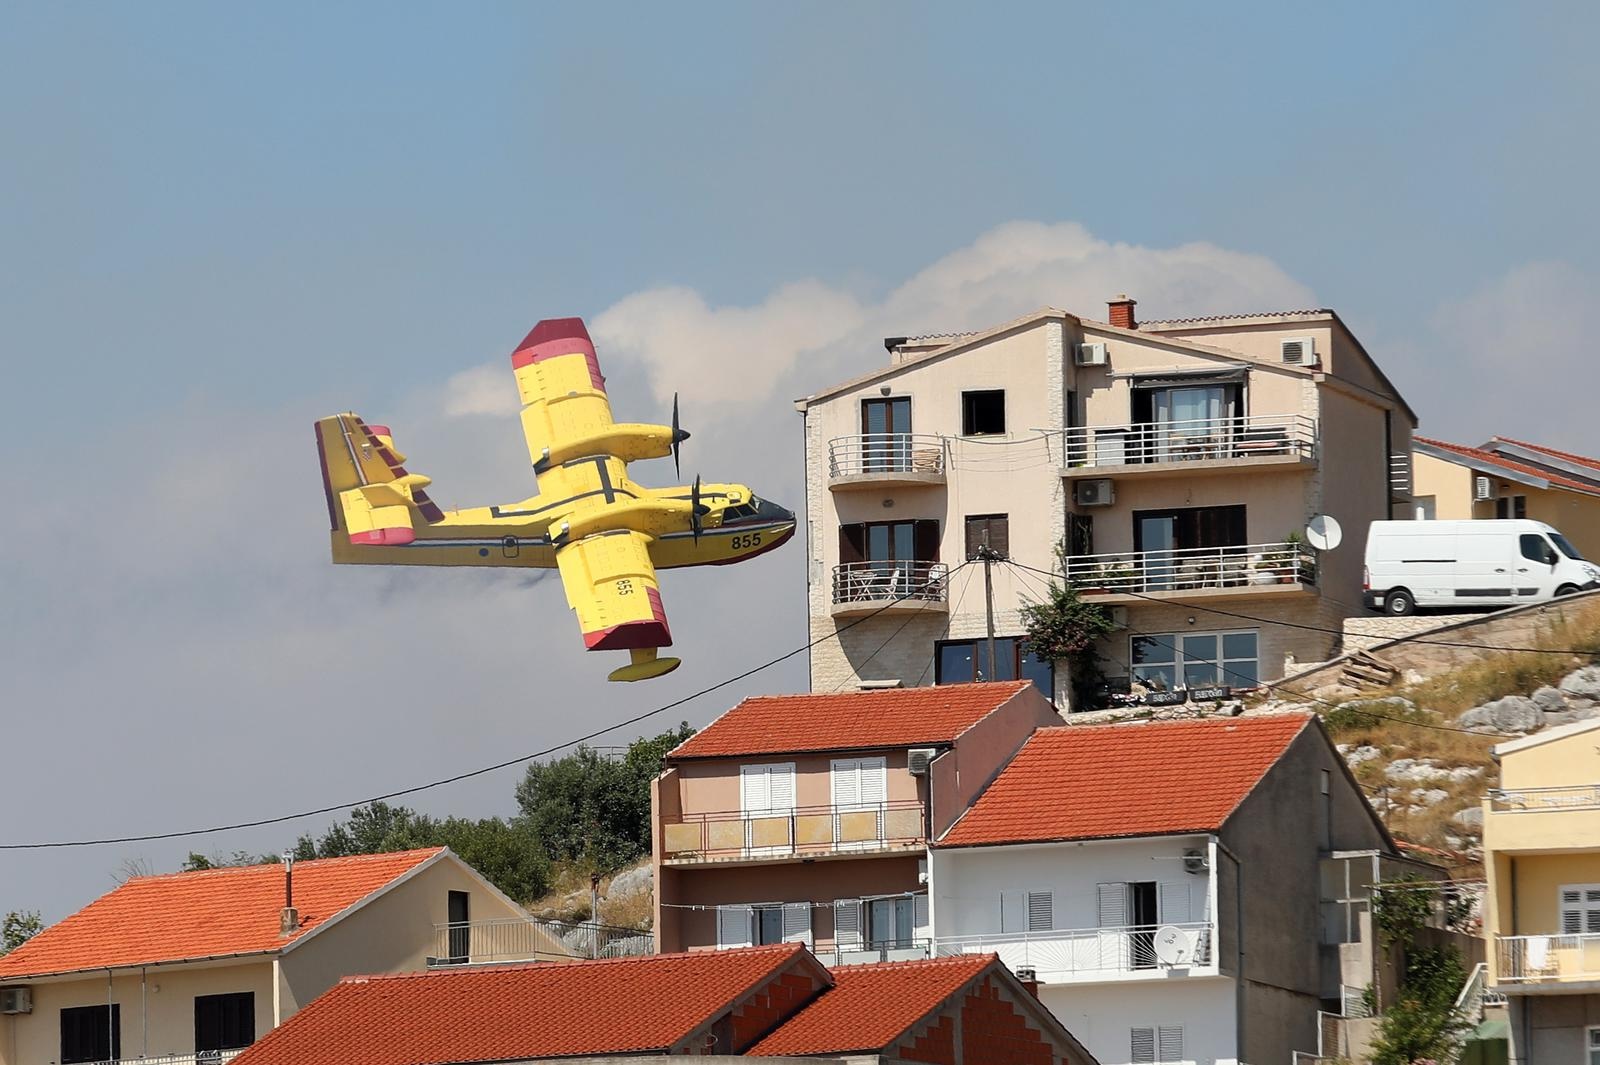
(217, 223)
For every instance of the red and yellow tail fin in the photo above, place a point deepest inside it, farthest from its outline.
(372, 500)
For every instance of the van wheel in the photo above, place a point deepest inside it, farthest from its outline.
(1399, 604)
(1567, 589)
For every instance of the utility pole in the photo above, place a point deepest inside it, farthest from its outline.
(594, 914)
(988, 556)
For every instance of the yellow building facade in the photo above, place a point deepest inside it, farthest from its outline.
(1541, 844)
(1509, 479)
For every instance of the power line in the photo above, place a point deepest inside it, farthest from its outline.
(1336, 632)
(441, 782)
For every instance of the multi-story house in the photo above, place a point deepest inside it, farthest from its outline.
(1510, 479)
(194, 967)
(1541, 851)
(1181, 891)
(1174, 464)
(807, 817)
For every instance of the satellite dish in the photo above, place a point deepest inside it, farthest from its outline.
(1173, 946)
(1323, 533)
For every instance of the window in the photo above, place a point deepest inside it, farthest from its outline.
(885, 544)
(989, 530)
(1566, 547)
(1027, 911)
(890, 921)
(983, 413)
(225, 1022)
(1172, 660)
(91, 1033)
(1511, 507)
(763, 924)
(1536, 549)
(966, 661)
(1163, 1044)
(886, 432)
(1580, 909)
(458, 913)
(765, 788)
(1594, 1046)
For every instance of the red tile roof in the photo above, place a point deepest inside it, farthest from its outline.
(1581, 460)
(895, 717)
(1492, 459)
(209, 914)
(871, 1006)
(1106, 781)
(515, 1012)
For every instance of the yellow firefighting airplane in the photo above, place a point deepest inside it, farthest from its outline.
(606, 534)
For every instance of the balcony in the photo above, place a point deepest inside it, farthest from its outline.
(807, 832)
(199, 1057)
(904, 950)
(509, 939)
(885, 460)
(1190, 574)
(1197, 447)
(1549, 820)
(1531, 965)
(890, 587)
(1090, 955)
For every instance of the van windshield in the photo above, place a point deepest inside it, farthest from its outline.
(1566, 546)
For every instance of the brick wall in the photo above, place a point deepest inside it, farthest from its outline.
(992, 1031)
(762, 1012)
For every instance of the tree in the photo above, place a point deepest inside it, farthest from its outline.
(585, 806)
(1063, 628)
(1422, 1022)
(17, 927)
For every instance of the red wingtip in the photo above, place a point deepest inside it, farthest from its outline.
(395, 537)
(380, 430)
(558, 330)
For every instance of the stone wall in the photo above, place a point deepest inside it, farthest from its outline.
(1364, 633)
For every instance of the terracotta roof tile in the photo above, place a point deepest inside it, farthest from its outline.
(1581, 460)
(1232, 317)
(214, 913)
(895, 717)
(871, 1006)
(1491, 459)
(1106, 781)
(516, 1012)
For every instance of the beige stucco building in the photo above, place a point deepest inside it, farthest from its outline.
(1176, 463)
(1510, 479)
(1541, 851)
(806, 818)
(193, 967)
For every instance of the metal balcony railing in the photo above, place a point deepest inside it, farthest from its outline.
(1250, 437)
(532, 939)
(199, 1057)
(1066, 955)
(1400, 475)
(1543, 959)
(885, 453)
(1188, 569)
(803, 830)
(1532, 800)
(867, 582)
(869, 953)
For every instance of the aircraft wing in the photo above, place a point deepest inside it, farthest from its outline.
(563, 395)
(612, 585)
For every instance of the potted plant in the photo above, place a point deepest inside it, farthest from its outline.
(1299, 565)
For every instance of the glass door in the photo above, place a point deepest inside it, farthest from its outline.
(1190, 422)
(886, 428)
(1157, 538)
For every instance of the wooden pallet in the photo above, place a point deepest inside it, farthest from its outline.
(1365, 671)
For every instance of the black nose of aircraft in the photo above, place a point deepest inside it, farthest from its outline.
(767, 510)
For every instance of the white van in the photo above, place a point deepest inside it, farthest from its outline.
(1470, 563)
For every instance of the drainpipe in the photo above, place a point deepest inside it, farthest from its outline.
(1238, 947)
(144, 1016)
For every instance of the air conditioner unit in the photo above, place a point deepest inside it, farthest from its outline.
(1096, 492)
(918, 759)
(1118, 616)
(1194, 861)
(1090, 355)
(1482, 489)
(16, 1000)
(1299, 351)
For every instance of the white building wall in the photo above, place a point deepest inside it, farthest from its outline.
(1103, 1016)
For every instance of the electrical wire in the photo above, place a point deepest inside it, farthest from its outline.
(441, 782)
(1339, 632)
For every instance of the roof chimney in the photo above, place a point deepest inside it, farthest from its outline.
(289, 921)
(1029, 979)
(1121, 307)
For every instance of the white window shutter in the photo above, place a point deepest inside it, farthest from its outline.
(874, 781)
(1174, 902)
(733, 926)
(1013, 911)
(797, 922)
(920, 919)
(755, 788)
(847, 924)
(1113, 900)
(1169, 1043)
(846, 782)
(780, 787)
(1041, 911)
(1142, 1048)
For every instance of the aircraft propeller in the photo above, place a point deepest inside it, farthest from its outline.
(697, 510)
(679, 435)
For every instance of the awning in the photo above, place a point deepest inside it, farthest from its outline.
(1198, 377)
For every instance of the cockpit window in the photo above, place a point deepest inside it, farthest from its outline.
(739, 512)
